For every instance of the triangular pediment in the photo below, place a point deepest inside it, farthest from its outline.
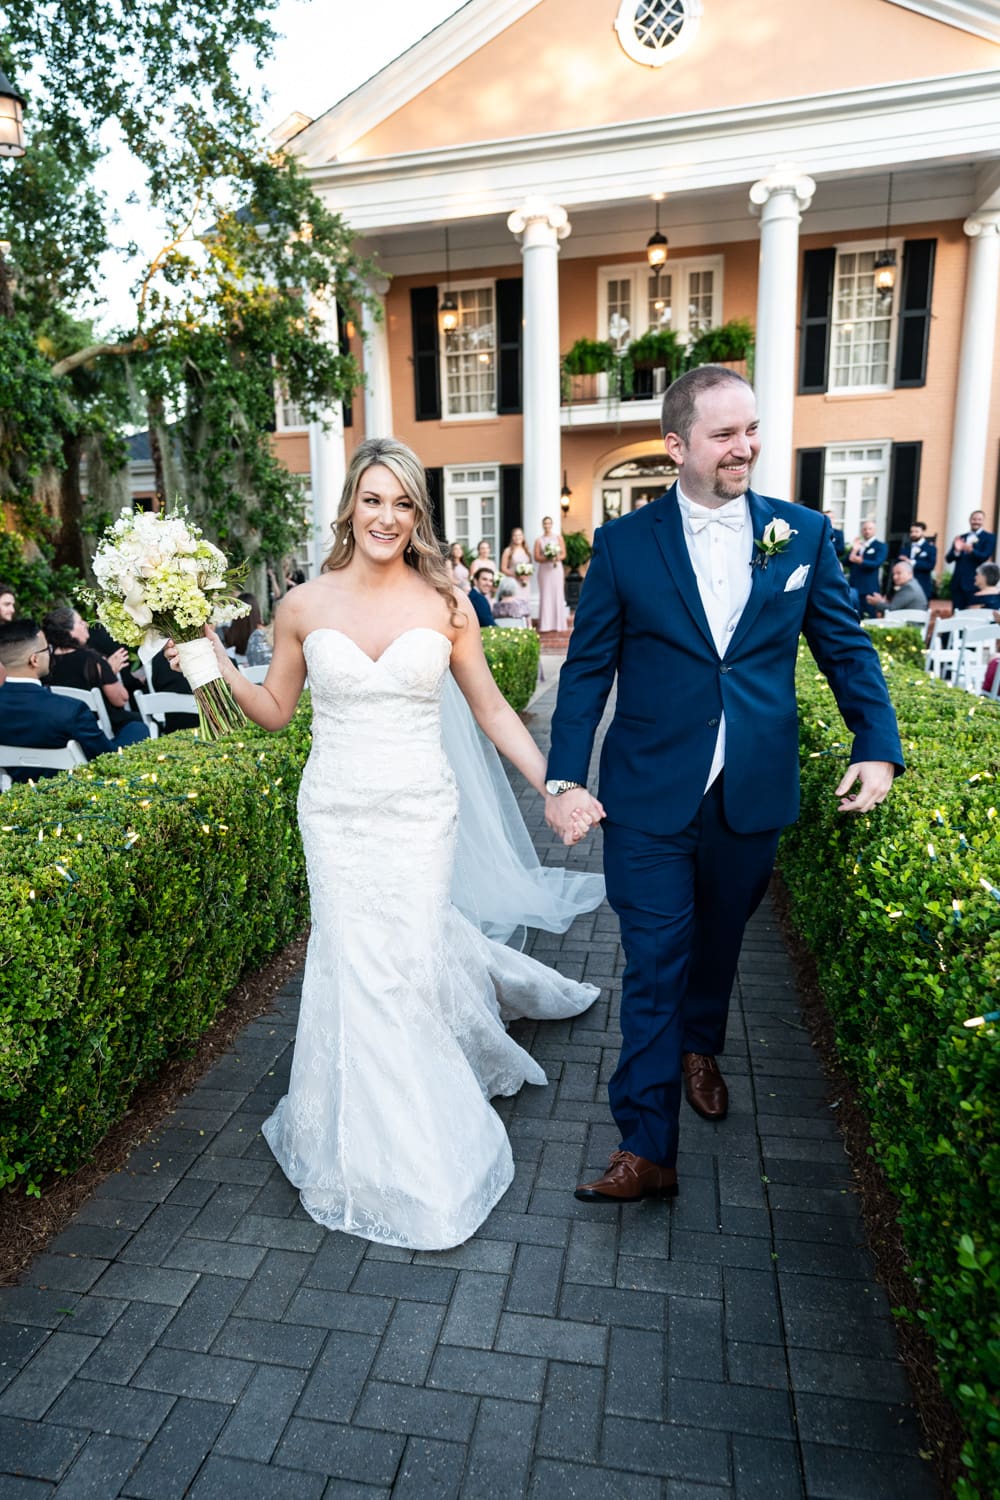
(500, 71)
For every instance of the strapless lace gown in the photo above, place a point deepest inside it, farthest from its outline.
(387, 1129)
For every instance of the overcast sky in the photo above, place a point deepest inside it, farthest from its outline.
(327, 48)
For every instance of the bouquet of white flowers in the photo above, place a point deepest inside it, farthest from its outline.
(551, 549)
(159, 578)
(523, 569)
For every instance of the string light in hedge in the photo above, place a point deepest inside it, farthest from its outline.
(991, 1015)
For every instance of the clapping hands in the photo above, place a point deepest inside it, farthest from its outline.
(573, 814)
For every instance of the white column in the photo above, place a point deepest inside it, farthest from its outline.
(327, 465)
(781, 198)
(541, 226)
(975, 373)
(377, 391)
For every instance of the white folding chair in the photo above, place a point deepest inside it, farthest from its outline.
(154, 707)
(34, 758)
(944, 647)
(94, 699)
(5, 783)
(254, 674)
(977, 646)
(919, 617)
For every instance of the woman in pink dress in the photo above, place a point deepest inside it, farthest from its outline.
(456, 566)
(516, 555)
(550, 553)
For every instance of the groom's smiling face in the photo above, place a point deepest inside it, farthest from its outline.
(717, 460)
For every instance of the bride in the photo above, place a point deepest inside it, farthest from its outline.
(387, 1129)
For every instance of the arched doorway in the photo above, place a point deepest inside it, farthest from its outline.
(629, 478)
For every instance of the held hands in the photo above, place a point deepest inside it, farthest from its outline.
(573, 814)
(875, 777)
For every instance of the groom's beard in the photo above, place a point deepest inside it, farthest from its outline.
(729, 486)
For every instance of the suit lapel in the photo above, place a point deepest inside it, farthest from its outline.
(669, 531)
(763, 581)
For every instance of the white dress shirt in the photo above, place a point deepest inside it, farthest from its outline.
(720, 546)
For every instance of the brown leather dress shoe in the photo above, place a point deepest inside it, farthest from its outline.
(628, 1179)
(705, 1086)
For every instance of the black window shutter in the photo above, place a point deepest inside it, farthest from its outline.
(817, 300)
(426, 376)
(510, 501)
(345, 348)
(435, 493)
(915, 312)
(809, 466)
(509, 313)
(904, 488)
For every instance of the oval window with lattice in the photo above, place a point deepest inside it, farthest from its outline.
(654, 32)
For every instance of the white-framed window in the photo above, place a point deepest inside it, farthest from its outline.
(469, 353)
(287, 416)
(687, 298)
(472, 505)
(863, 325)
(856, 485)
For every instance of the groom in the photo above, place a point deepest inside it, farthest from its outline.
(696, 603)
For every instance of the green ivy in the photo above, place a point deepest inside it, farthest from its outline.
(901, 910)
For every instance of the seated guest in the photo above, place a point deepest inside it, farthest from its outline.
(987, 595)
(510, 605)
(247, 636)
(75, 664)
(480, 594)
(906, 591)
(103, 641)
(32, 716)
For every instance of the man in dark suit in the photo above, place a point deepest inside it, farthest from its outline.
(479, 596)
(836, 536)
(864, 566)
(696, 604)
(922, 553)
(965, 555)
(33, 716)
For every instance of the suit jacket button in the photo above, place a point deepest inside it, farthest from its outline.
(712, 723)
(725, 669)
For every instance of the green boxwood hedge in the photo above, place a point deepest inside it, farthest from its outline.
(901, 910)
(513, 658)
(134, 893)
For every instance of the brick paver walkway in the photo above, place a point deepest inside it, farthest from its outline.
(194, 1333)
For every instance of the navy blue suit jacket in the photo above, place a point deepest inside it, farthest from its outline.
(34, 716)
(480, 603)
(837, 537)
(640, 616)
(864, 577)
(923, 564)
(966, 563)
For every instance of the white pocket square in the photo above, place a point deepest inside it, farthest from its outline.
(797, 579)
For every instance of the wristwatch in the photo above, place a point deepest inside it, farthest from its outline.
(556, 788)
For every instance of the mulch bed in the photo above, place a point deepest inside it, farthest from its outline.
(28, 1224)
(880, 1209)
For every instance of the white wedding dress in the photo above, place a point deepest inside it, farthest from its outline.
(387, 1129)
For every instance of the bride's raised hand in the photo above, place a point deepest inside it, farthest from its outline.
(173, 655)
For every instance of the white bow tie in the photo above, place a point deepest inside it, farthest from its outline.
(732, 515)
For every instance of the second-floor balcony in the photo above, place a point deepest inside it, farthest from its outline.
(604, 386)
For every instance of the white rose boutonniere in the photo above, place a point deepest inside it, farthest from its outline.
(772, 542)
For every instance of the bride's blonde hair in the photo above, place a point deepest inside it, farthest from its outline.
(423, 552)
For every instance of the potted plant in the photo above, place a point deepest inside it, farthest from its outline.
(582, 362)
(730, 344)
(659, 348)
(578, 553)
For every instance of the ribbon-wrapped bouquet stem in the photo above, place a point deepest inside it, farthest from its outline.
(158, 579)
